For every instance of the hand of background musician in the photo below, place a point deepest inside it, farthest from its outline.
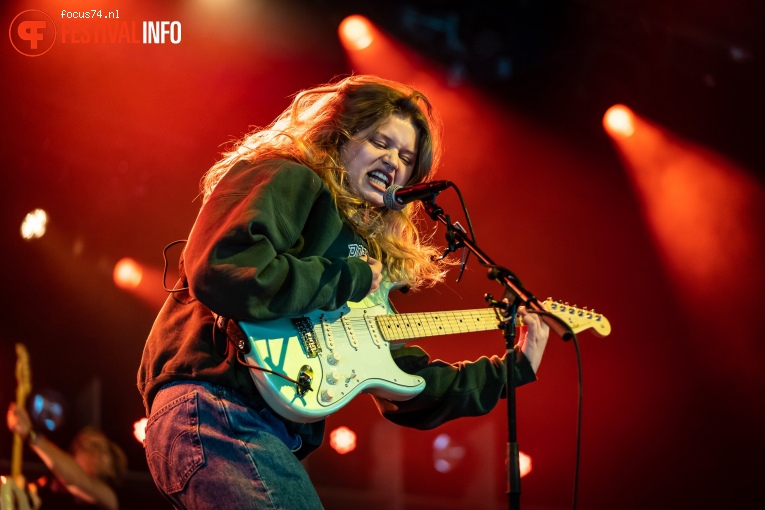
(19, 421)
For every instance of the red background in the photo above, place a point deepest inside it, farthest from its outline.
(112, 139)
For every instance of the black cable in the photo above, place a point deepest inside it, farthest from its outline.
(578, 453)
(164, 271)
(299, 384)
(578, 423)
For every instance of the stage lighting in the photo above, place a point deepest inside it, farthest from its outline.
(139, 430)
(356, 32)
(47, 409)
(342, 440)
(127, 273)
(524, 464)
(34, 224)
(446, 455)
(618, 121)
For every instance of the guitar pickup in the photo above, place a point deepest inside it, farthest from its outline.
(307, 336)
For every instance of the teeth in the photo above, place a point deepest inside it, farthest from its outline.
(380, 177)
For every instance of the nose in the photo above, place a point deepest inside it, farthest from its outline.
(390, 161)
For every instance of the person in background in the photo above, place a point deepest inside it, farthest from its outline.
(294, 220)
(85, 477)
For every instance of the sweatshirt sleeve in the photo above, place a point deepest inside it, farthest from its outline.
(451, 390)
(269, 243)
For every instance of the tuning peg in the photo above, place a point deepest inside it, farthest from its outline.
(502, 305)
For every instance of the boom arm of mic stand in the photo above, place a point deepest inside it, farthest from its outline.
(502, 275)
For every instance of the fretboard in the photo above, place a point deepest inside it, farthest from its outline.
(396, 328)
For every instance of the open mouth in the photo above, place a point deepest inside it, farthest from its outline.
(379, 179)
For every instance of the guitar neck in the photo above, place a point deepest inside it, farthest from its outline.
(399, 328)
(18, 443)
(16, 455)
(23, 387)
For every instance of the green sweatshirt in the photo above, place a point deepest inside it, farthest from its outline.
(270, 243)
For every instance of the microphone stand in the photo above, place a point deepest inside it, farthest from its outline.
(515, 295)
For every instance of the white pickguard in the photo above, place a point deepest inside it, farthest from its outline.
(353, 358)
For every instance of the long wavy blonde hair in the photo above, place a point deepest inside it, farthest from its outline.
(312, 131)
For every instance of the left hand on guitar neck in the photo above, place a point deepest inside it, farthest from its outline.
(18, 421)
(533, 337)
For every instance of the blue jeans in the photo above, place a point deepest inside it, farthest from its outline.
(207, 446)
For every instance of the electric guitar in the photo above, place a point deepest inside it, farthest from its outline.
(13, 494)
(309, 367)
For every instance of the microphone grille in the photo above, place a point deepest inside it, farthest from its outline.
(389, 198)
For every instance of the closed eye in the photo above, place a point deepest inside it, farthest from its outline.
(405, 156)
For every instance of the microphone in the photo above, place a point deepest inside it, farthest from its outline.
(396, 197)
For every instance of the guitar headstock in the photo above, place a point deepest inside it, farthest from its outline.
(578, 319)
(23, 374)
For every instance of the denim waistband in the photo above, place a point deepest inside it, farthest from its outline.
(175, 389)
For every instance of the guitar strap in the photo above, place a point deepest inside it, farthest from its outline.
(219, 336)
(228, 331)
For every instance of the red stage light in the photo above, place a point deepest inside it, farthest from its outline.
(356, 32)
(127, 273)
(342, 440)
(524, 464)
(139, 430)
(34, 224)
(619, 121)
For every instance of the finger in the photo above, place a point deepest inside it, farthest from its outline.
(528, 317)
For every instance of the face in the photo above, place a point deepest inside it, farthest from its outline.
(94, 456)
(374, 160)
